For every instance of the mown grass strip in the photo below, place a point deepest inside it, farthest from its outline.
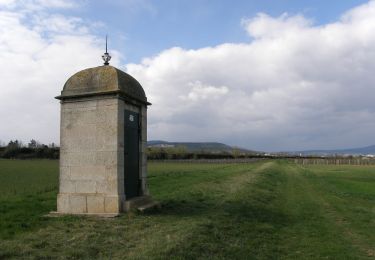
(348, 200)
(264, 210)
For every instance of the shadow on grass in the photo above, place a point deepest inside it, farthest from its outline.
(243, 226)
(233, 229)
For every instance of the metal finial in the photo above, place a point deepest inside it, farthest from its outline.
(106, 57)
(106, 40)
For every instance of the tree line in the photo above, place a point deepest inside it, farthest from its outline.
(181, 152)
(16, 149)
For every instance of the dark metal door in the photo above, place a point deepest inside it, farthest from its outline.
(131, 147)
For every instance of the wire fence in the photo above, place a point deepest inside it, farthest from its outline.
(335, 161)
(221, 161)
(302, 161)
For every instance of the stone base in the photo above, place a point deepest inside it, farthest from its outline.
(142, 203)
(100, 205)
(101, 215)
(80, 203)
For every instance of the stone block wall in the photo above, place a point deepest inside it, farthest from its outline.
(143, 153)
(92, 155)
(89, 180)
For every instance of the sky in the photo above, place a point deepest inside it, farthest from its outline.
(264, 75)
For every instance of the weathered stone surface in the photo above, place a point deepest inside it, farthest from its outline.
(95, 204)
(106, 158)
(145, 186)
(92, 165)
(63, 204)
(112, 204)
(143, 171)
(67, 186)
(86, 186)
(131, 107)
(108, 187)
(94, 173)
(144, 112)
(111, 172)
(77, 204)
(101, 80)
(141, 203)
(64, 173)
(121, 185)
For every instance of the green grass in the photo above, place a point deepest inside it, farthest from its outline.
(264, 210)
(27, 191)
(19, 177)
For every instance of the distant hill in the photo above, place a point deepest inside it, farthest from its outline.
(213, 147)
(351, 151)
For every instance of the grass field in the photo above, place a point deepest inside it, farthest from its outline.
(263, 210)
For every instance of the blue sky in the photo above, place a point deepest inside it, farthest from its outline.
(144, 28)
(264, 75)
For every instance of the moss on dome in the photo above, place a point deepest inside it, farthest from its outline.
(102, 80)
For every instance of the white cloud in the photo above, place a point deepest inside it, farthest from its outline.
(200, 91)
(35, 5)
(55, 3)
(293, 86)
(39, 52)
(6, 2)
(59, 24)
(264, 26)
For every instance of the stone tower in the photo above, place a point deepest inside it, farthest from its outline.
(103, 139)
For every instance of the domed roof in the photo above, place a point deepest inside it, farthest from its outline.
(103, 80)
